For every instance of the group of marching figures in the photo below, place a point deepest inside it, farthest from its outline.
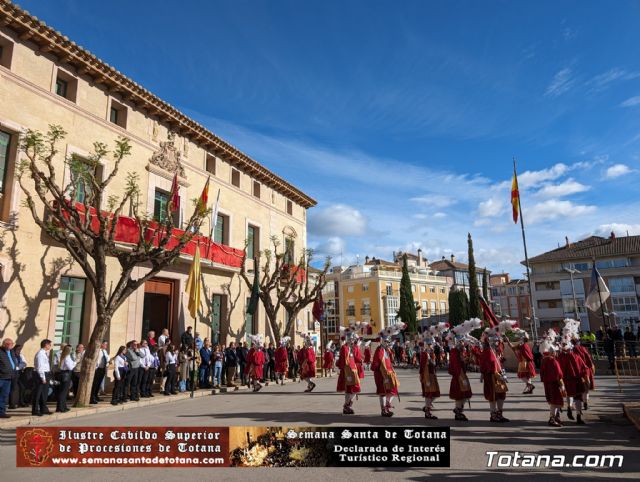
(567, 369)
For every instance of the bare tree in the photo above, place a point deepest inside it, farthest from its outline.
(74, 216)
(232, 302)
(284, 284)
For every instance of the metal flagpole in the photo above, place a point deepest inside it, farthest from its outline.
(526, 260)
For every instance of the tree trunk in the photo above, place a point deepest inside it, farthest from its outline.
(91, 357)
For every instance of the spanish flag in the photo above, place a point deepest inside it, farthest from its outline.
(515, 196)
(193, 284)
(204, 197)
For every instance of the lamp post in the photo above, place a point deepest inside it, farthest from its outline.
(573, 290)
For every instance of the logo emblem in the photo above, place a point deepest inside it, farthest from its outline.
(36, 446)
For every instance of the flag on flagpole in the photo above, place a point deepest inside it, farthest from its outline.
(488, 312)
(318, 308)
(193, 284)
(598, 291)
(515, 196)
(214, 216)
(255, 290)
(174, 201)
(204, 197)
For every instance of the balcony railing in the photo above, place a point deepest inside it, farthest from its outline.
(365, 311)
(127, 231)
(351, 312)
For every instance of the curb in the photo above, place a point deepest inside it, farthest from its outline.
(629, 409)
(106, 408)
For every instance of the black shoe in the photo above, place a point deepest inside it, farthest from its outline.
(47, 413)
(166, 393)
(579, 420)
(570, 414)
(36, 414)
(13, 407)
(93, 402)
(113, 402)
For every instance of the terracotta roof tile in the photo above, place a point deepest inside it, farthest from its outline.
(592, 247)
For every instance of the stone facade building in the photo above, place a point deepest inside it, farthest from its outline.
(45, 79)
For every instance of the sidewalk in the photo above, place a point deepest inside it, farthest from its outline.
(632, 412)
(22, 416)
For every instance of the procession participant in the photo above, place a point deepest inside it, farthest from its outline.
(282, 360)
(308, 363)
(428, 376)
(255, 362)
(526, 367)
(367, 355)
(385, 377)
(460, 388)
(327, 360)
(348, 379)
(574, 371)
(359, 328)
(551, 377)
(495, 386)
(589, 384)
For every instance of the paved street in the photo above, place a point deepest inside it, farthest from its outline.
(607, 431)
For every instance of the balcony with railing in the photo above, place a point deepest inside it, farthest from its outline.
(351, 311)
(365, 310)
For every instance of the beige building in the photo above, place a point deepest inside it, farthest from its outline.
(370, 292)
(46, 79)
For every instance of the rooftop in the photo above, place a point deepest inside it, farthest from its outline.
(446, 264)
(48, 40)
(592, 247)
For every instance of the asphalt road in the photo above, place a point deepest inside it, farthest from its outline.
(606, 432)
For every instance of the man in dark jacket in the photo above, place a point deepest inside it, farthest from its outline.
(241, 353)
(231, 362)
(8, 367)
(205, 365)
(271, 366)
(187, 338)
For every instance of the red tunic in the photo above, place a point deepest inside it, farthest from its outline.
(525, 357)
(257, 362)
(573, 370)
(460, 387)
(551, 377)
(308, 364)
(249, 361)
(433, 389)
(367, 355)
(379, 357)
(346, 354)
(357, 356)
(490, 367)
(282, 360)
(583, 351)
(327, 360)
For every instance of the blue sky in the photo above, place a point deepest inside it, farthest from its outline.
(402, 118)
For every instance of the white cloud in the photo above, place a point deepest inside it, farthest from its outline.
(332, 246)
(566, 188)
(440, 215)
(560, 83)
(602, 81)
(554, 209)
(631, 101)
(435, 200)
(491, 208)
(620, 229)
(337, 220)
(617, 170)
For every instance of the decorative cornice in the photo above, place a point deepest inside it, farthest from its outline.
(51, 41)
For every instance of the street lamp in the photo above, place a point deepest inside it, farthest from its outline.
(573, 290)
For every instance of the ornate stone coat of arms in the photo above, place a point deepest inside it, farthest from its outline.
(168, 157)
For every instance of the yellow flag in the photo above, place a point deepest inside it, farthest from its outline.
(193, 285)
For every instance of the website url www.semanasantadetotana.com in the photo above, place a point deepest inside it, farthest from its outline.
(518, 459)
(151, 461)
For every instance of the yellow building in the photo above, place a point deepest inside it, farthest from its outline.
(371, 292)
(46, 79)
